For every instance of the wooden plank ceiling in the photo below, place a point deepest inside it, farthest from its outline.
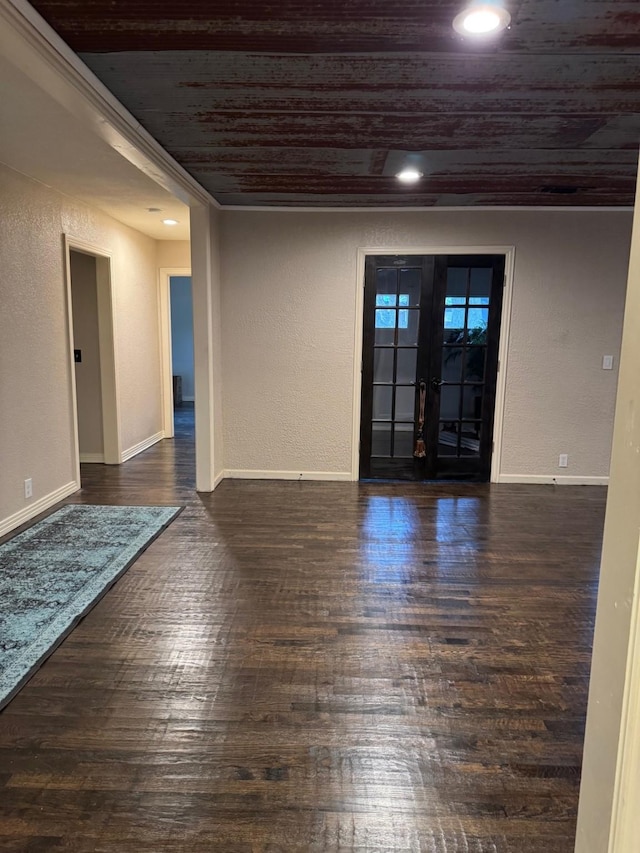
(296, 102)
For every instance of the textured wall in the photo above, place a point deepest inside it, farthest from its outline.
(135, 285)
(84, 295)
(289, 292)
(174, 253)
(35, 402)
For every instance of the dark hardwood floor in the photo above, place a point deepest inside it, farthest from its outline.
(317, 667)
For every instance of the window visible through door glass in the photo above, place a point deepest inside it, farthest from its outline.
(408, 336)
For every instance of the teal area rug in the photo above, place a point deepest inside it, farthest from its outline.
(53, 573)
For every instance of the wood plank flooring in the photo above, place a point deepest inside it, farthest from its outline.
(317, 667)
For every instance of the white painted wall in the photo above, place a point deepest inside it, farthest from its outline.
(182, 333)
(289, 304)
(84, 296)
(35, 368)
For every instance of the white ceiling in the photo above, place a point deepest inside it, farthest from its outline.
(72, 159)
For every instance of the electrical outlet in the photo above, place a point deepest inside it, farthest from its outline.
(607, 362)
(563, 461)
(28, 488)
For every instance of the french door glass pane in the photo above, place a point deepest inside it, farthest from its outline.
(409, 287)
(480, 285)
(406, 369)
(408, 334)
(382, 397)
(381, 440)
(452, 364)
(386, 287)
(403, 441)
(454, 324)
(383, 365)
(448, 439)
(472, 401)
(470, 439)
(477, 321)
(385, 326)
(474, 363)
(457, 280)
(450, 402)
(405, 403)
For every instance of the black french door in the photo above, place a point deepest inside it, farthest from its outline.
(430, 322)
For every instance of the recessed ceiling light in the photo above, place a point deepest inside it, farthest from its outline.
(154, 209)
(481, 19)
(409, 175)
(169, 221)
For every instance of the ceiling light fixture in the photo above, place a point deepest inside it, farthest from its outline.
(482, 19)
(169, 221)
(409, 175)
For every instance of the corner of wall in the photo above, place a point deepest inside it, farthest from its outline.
(42, 505)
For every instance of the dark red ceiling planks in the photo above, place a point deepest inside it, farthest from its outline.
(332, 26)
(300, 103)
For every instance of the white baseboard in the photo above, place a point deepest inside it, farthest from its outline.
(140, 446)
(551, 480)
(218, 480)
(35, 508)
(332, 476)
(92, 458)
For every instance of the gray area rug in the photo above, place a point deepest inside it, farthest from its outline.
(52, 574)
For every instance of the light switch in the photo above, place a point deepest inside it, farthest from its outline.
(607, 362)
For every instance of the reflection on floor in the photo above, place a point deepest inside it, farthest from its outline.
(317, 667)
(184, 421)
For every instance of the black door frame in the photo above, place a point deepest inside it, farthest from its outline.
(499, 399)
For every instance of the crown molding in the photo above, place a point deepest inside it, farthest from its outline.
(32, 45)
(246, 208)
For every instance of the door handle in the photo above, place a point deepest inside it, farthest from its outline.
(436, 383)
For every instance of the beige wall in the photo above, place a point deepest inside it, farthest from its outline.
(288, 303)
(174, 253)
(35, 371)
(84, 297)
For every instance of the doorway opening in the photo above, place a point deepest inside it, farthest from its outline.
(430, 365)
(178, 375)
(92, 352)
(182, 363)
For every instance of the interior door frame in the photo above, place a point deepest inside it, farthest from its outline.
(503, 347)
(107, 347)
(164, 319)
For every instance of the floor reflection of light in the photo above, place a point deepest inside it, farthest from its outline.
(457, 534)
(389, 533)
